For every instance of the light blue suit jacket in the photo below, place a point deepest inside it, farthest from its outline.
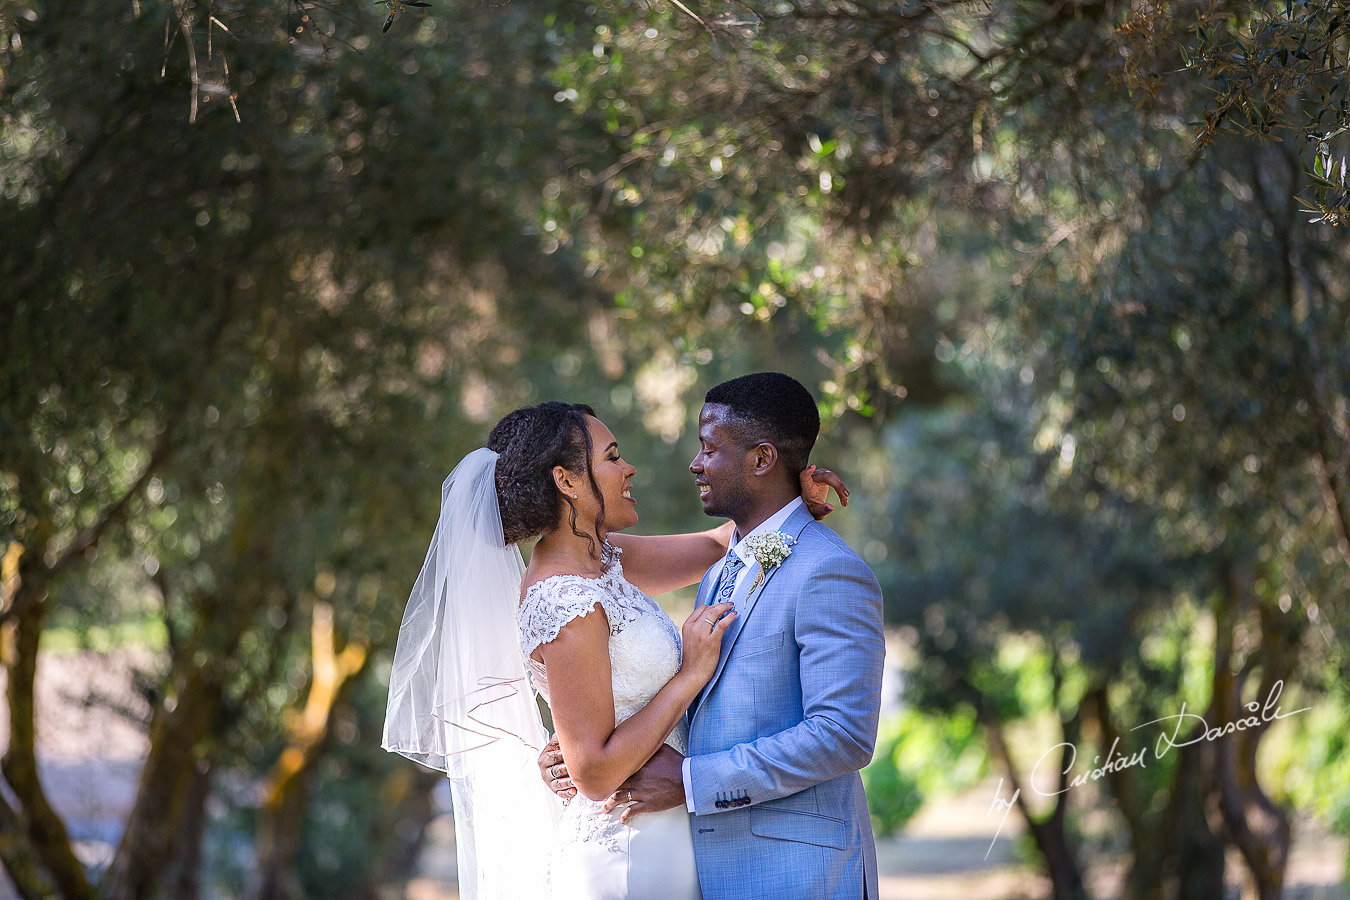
(790, 716)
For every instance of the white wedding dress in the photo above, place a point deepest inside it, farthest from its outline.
(595, 856)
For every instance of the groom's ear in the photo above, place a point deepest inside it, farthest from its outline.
(763, 458)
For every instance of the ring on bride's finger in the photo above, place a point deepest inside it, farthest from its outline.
(710, 621)
(630, 796)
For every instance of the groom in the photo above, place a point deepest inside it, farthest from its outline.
(790, 715)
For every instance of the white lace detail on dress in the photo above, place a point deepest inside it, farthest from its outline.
(551, 603)
(644, 653)
(584, 822)
(644, 644)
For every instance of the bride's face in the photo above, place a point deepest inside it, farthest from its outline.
(615, 479)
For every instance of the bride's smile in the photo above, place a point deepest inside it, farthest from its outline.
(613, 477)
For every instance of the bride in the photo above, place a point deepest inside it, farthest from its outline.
(616, 672)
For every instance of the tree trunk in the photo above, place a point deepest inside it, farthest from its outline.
(20, 859)
(280, 830)
(399, 825)
(155, 826)
(1144, 880)
(183, 727)
(17, 854)
(185, 883)
(1191, 830)
(1254, 823)
(24, 580)
(1066, 877)
(45, 832)
(184, 723)
(283, 814)
(1048, 833)
(1178, 853)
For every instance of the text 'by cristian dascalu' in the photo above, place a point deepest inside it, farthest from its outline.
(1196, 730)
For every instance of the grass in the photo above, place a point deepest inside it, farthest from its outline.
(147, 633)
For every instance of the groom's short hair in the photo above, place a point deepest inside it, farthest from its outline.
(772, 407)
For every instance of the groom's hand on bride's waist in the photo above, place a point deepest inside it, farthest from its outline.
(657, 786)
(554, 771)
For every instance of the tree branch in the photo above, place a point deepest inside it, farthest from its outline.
(29, 591)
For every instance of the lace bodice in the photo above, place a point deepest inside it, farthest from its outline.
(644, 644)
(644, 653)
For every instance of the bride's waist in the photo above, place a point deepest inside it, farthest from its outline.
(586, 819)
(678, 738)
(581, 806)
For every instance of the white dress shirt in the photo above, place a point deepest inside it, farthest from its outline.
(772, 523)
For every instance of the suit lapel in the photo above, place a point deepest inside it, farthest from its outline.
(745, 598)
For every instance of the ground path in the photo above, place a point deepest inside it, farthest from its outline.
(950, 851)
(91, 755)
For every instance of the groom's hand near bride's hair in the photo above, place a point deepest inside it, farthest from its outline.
(657, 786)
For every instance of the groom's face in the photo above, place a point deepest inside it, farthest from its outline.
(722, 467)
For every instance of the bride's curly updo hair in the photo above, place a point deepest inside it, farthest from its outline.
(529, 442)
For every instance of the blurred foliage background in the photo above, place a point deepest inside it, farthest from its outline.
(1066, 277)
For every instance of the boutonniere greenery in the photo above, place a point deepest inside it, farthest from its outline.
(769, 550)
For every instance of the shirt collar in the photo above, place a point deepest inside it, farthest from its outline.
(772, 523)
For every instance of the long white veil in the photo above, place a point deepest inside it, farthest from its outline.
(459, 698)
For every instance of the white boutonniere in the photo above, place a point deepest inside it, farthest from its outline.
(769, 550)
